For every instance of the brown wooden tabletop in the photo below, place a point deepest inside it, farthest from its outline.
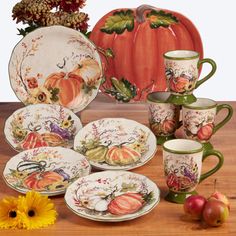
(167, 218)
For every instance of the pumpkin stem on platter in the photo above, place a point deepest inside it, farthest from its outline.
(156, 17)
(141, 10)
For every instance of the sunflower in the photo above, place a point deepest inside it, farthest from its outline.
(36, 211)
(9, 217)
(66, 124)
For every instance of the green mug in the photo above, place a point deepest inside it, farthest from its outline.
(182, 160)
(199, 120)
(182, 72)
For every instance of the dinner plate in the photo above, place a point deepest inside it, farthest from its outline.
(56, 65)
(112, 196)
(41, 125)
(48, 170)
(116, 144)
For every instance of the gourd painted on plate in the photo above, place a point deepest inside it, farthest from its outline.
(138, 39)
(40, 180)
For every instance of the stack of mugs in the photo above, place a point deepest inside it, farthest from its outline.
(183, 156)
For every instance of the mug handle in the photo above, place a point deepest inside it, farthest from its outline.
(220, 157)
(213, 70)
(226, 119)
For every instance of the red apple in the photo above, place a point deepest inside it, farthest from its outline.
(215, 212)
(221, 197)
(193, 206)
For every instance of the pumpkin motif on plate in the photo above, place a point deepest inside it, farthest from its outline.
(68, 84)
(205, 132)
(53, 139)
(97, 154)
(88, 68)
(40, 180)
(127, 203)
(33, 140)
(122, 155)
(139, 38)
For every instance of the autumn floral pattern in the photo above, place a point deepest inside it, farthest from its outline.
(163, 118)
(181, 76)
(182, 174)
(41, 125)
(70, 75)
(199, 124)
(112, 196)
(115, 143)
(47, 170)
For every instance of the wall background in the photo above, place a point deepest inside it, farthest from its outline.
(215, 21)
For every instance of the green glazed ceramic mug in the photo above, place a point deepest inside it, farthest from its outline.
(163, 116)
(182, 160)
(182, 72)
(199, 120)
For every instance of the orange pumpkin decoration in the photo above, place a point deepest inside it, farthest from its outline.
(53, 139)
(168, 126)
(179, 84)
(69, 86)
(88, 69)
(205, 132)
(122, 155)
(40, 180)
(156, 128)
(33, 140)
(127, 203)
(139, 38)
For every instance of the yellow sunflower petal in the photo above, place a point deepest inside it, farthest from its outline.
(37, 211)
(9, 217)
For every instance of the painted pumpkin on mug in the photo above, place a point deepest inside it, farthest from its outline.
(205, 132)
(138, 39)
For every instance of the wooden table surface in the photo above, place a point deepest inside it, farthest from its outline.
(167, 218)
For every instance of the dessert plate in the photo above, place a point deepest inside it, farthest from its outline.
(41, 125)
(48, 170)
(56, 65)
(112, 196)
(116, 144)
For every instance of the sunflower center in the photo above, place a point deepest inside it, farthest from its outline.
(12, 214)
(31, 213)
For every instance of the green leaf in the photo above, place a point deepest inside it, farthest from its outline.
(161, 18)
(122, 90)
(119, 22)
(27, 30)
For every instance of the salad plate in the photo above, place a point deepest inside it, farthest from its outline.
(112, 196)
(41, 125)
(116, 144)
(48, 170)
(56, 65)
